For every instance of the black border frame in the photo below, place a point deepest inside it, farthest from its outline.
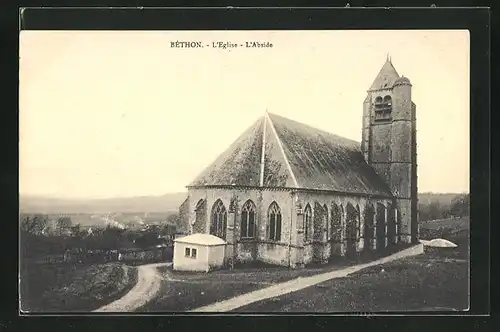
(476, 20)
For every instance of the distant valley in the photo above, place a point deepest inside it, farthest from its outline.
(141, 204)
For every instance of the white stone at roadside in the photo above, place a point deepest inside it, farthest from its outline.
(439, 243)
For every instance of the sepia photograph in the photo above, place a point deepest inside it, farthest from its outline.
(271, 171)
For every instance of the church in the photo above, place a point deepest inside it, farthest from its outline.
(289, 194)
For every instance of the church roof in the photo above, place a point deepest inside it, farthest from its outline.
(282, 153)
(386, 76)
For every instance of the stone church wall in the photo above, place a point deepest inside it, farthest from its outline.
(183, 224)
(292, 248)
(260, 248)
(324, 247)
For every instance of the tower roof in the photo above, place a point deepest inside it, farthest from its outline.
(402, 81)
(386, 76)
(282, 153)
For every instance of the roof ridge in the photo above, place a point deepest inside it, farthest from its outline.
(280, 144)
(263, 152)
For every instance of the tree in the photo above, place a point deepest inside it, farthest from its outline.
(173, 219)
(111, 236)
(147, 239)
(33, 225)
(63, 223)
(460, 205)
(130, 235)
(76, 230)
(435, 211)
(168, 229)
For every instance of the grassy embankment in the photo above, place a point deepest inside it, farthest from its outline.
(436, 280)
(71, 287)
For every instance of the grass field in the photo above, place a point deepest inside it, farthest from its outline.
(72, 288)
(183, 291)
(436, 280)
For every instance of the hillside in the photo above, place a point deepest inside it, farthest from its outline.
(164, 203)
(443, 199)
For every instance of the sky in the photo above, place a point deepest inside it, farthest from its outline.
(122, 113)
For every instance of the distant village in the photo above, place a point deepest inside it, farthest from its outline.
(85, 238)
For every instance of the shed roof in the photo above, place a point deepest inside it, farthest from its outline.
(201, 239)
(295, 156)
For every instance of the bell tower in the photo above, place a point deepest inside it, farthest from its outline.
(389, 143)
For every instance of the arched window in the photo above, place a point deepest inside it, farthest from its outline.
(219, 220)
(326, 220)
(200, 222)
(383, 108)
(351, 229)
(368, 228)
(274, 217)
(308, 223)
(380, 225)
(391, 224)
(199, 205)
(398, 224)
(336, 222)
(248, 220)
(358, 221)
(351, 222)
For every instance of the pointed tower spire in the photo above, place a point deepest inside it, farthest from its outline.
(386, 76)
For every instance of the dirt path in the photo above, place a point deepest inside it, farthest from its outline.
(148, 284)
(300, 283)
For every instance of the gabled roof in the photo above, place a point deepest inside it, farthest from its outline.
(386, 76)
(201, 239)
(240, 163)
(281, 153)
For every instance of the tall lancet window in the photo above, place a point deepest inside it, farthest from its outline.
(274, 217)
(219, 220)
(308, 224)
(248, 220)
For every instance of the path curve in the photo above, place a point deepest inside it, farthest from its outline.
(148, 284)
(301, 283)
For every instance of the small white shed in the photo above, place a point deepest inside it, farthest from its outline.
(198, 252)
